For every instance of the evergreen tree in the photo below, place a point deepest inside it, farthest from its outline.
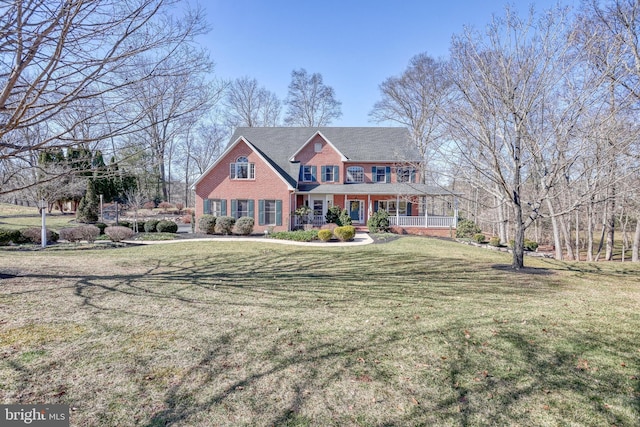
(89, 206)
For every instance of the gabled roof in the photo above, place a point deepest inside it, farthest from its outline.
(357, 144)
(318, 133)
(262, 156)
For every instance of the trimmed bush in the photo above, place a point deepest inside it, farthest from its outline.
(149, 205)
(379, 222)
(345, 218)
(467, 229)
(83, 232)
(530, 245)
(34, 235)
(141, 225)
(224, 224)
(124, 224)
(345, 233)
(297, 236)
(325, 235)
(244, 226)
(102, 226)
(167, 227)
(165, 206)
(9, 236)
(207, 224)
(494, 241)
(478, 237)
(118, 233)
(150, 226)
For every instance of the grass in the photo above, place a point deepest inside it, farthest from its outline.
(411, 332)
(17, 217)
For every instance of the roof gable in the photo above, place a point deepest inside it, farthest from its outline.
(283, 175)
(318, 133)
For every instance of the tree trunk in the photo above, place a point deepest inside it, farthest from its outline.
(567, 238)
(636, 242)
(590, 231)
(557, 242)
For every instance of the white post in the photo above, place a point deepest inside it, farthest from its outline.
(426, 213)
(398, 209)
(101, 214)
(43, 235)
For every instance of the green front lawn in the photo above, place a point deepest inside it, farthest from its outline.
(412, 332)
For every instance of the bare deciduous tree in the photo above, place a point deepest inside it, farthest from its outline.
(248, 104)
(310, 102)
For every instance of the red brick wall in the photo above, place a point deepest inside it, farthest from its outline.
(326, 157)
(266, 185)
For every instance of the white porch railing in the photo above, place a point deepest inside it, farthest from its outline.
(404, 221)
(421, 221)
(315, 220)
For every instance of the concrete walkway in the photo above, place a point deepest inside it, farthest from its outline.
(359, 240)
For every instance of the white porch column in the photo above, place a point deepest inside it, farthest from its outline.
(345, 203)
(398, 209)
(455, 211)
(368, 206)
(426, 213)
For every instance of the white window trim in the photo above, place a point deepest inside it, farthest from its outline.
(350, 174)
(304, 173)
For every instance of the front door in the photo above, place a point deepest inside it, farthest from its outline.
(356, 210)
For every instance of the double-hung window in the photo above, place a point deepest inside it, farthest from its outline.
(269, 212)
(406, 174)
(392, 207)
(215, 207)
(330, 174)
(241, 207)
(355, 174)
(242, 169)
(308, 173)
(381, 174)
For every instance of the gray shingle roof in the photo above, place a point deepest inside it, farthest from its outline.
(375, 189)
(358, 144)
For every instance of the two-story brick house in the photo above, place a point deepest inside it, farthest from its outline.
(267, 173)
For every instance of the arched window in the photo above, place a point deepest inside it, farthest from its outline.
(355, 174)
(242, 169)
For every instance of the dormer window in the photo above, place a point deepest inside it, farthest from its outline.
(242, 169)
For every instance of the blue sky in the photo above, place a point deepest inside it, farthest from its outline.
(355, 45)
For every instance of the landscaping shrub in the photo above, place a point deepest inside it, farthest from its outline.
(83, 232)
(478, 237)
(333, 215)
(118, 233)
(186, 219)
(530, 245)
(9, 236)
(494, 241)
(34, 235)
(165, 206)
(325, 235)
(123, 224)
(179, 207)
(297, 236)
(102, 226)
(345, 218)
(167, 227)
(467, 229)
(244, 226)
(379, 222)
(345, 233)
(150, 226)
(224, 224)
(149, 205)
(207, 224)
(140, 224)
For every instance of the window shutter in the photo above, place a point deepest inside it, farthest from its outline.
(323, 173)
(234, 208)
(336, 174)
(409, 209)
(412, 179)
(207, 207)
(278, 212)
(223, 207)
(387, 174)
(375, 206)
(374, 174)
(314, 173)
(232, 170)
(301, 173)
(260, 212)
(251, 213)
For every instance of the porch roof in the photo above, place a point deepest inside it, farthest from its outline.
(402, 188)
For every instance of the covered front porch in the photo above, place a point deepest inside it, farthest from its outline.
(410, 206)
